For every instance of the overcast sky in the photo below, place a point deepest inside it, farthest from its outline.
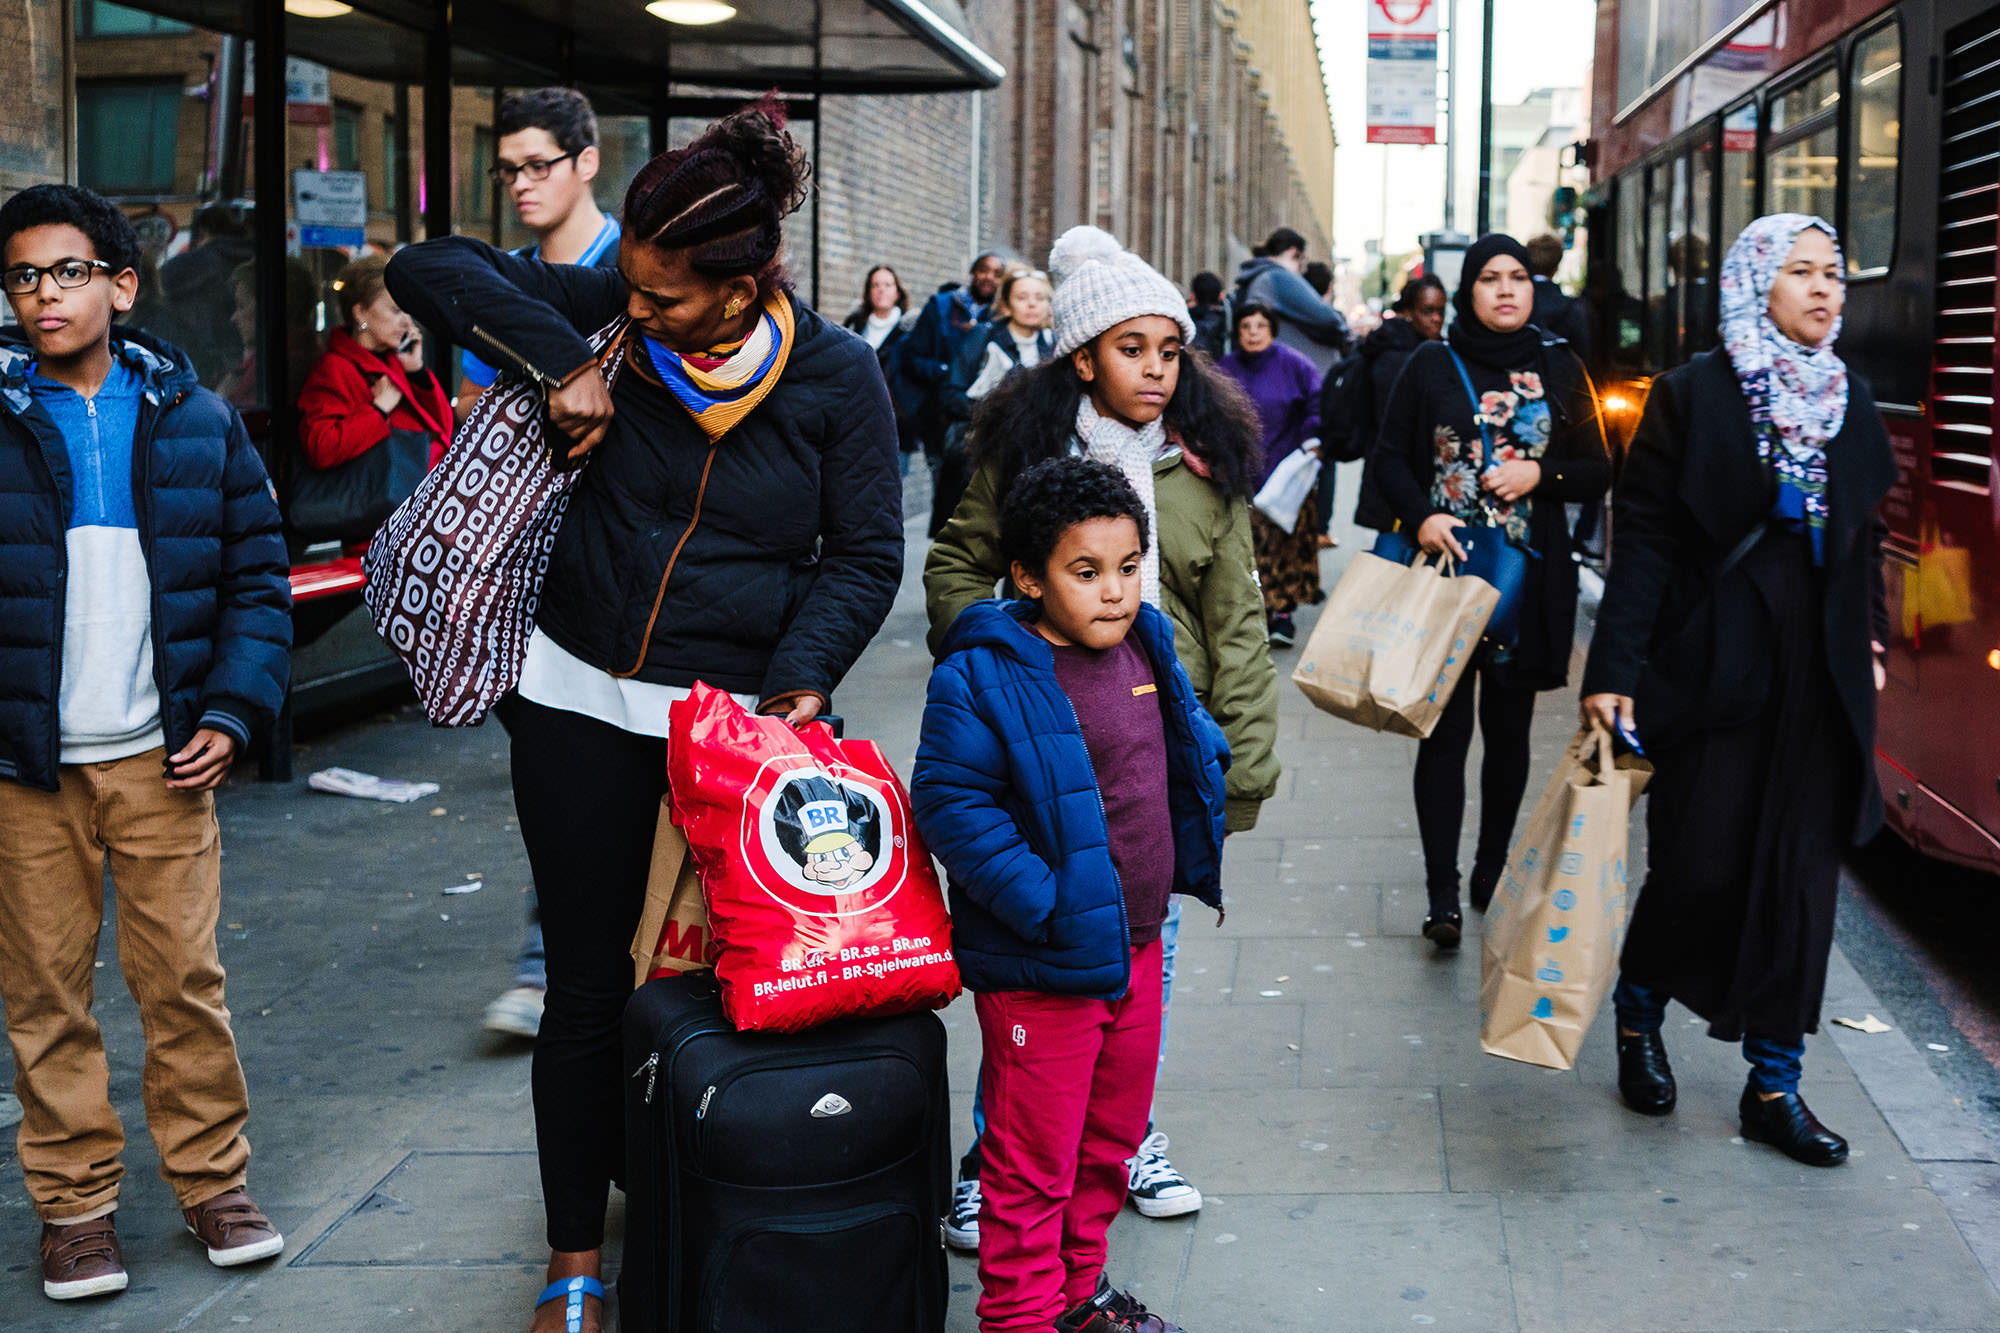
(1536, 44)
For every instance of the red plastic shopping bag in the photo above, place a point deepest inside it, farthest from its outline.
(822, 902)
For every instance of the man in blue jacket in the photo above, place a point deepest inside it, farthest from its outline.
(1274, 277)
(925, 361)
(145, 632)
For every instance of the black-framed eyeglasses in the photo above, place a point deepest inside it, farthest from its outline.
(26, 279)
(535, 170)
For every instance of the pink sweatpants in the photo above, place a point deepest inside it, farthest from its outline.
(1069, 1085)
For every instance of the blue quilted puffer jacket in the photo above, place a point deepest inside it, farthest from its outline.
(209, 527)
(1006, 798)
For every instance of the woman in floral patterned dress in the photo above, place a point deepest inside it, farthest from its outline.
(1430, 474)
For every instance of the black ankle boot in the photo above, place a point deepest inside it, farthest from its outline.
(1788, 1124)
(1444, 929)
(1485, 878)
(1645, 1079)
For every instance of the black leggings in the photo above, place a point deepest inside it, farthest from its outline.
(588, 796)
(1505, 715)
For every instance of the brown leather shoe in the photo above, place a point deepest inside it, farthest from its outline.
(81, 1259)
(234, 1229)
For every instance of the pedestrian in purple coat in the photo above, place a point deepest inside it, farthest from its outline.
(1285, 387)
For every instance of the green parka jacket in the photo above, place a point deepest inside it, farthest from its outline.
(1208, 588)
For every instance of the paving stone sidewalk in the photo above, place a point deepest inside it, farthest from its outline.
(1365, 1166)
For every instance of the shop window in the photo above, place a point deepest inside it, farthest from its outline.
(624, 144)
(477, 203)
(127, 135)
(1804, 156)
(1874, 136)
(101, 18)
(391, 150)
(346, 137)
(1739, 173)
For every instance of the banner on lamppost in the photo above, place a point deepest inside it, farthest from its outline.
(1402, 71)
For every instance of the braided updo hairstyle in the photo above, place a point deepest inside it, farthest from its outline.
(722, 199)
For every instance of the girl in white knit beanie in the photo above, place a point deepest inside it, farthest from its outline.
(1125, 388)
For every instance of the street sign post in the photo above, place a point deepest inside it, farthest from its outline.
(1402, 71)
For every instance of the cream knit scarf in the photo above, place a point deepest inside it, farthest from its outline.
(1132, 452)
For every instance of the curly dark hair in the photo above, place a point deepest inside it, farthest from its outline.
(1031, 416)
(722, 200)
(1056, 494)
(109, 230)
(564, 112)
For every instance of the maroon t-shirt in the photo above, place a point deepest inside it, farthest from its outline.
(1118, 702)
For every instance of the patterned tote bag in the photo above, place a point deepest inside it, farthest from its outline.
(455, 575)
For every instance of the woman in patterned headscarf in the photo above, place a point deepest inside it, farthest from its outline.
(1744, 613)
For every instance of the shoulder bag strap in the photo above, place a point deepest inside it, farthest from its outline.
(1472, 395)
(1741, 549)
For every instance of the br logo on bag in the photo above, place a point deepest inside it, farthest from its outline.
(814, 839)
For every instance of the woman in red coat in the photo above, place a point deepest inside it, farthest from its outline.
(372, 379)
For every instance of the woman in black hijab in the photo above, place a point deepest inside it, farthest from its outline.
(1494, 427)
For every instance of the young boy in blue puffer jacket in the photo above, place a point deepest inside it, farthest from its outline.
(1070, 781)
(145, 633)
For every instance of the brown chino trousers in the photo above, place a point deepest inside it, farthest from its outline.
(165, 853)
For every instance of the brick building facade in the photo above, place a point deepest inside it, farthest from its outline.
(33, 138)
(1189, 128)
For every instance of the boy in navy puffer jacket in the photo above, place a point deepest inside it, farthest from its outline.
(1069, 781)
(145, 631)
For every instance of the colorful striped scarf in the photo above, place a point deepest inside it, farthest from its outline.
(719, 389)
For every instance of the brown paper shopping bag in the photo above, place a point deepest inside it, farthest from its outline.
(673, 925)
(1393, 641)
(1558, 915)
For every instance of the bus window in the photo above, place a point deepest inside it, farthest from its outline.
(1674, 317)
(1874, 135)
(1804, 154)
(1739, 172)
(1698, 262)
(1631, 233)
(1655, 348)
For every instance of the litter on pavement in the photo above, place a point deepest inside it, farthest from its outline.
(368, 787)
(1866, 1023)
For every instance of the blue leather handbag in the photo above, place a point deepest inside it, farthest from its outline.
(1488, 553)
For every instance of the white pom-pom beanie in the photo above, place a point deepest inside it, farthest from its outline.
(1100, 284)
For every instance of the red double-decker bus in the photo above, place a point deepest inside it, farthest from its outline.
(1885, 120)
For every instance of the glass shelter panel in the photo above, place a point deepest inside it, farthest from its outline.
(163, 128)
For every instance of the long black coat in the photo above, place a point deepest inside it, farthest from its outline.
(1691, 650)
(784, 540)
(1396, 487)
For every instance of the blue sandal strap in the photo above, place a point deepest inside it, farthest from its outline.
(575, 1289)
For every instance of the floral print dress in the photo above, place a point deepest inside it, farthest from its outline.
(1517, 420)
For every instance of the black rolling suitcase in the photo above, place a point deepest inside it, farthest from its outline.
(781, 1183)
